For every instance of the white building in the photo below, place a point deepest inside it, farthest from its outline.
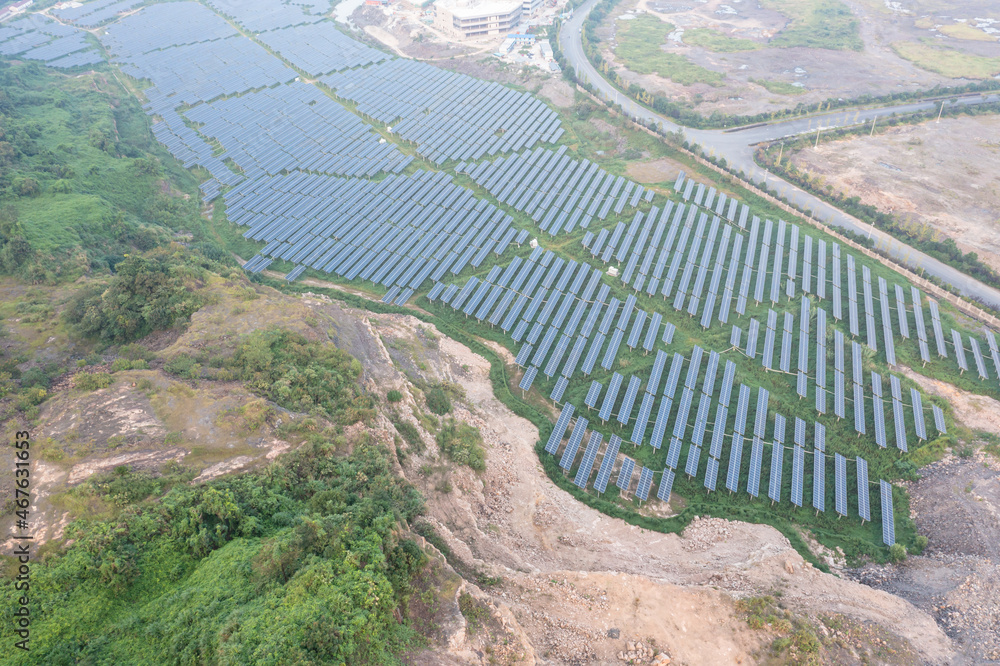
(477, 18)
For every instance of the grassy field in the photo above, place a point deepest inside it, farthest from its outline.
(779, 87)
(968, 32)
(816, 24)
(716, 41)
(639, 42)
(83, 174)
(947, 62)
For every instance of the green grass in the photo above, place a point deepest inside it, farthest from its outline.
(947, 61)
(816, 24)
(716, 41)
(639, 42)
(82, 173)
(779, 87)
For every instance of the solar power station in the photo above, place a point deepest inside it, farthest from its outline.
(338, 157)
(39, 38)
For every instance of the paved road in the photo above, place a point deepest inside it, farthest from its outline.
(737, 147)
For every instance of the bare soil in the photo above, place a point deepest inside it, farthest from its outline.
(940, 176)
(822, 73)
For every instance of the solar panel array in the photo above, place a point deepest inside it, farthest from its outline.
(558, 192)
(397, 232)
(320, 48)
(37, 37)
(294, 127)
(261, 15)
(164, 25)
(94, 13)
(446, 115)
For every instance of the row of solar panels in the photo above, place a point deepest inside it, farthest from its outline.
(261, 15)
(738, 470)
(558, 192)
(295, 127)
(94, 13)
(788, 271)
(447, 115)
(551, 306)
(860, 400)
(37, 37)
(397, 232)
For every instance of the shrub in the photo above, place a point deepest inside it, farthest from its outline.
(462, 443)
(393, 396)
(409, 432)
(897, 552)
(91, 381)
(438, 401)
(145, 295)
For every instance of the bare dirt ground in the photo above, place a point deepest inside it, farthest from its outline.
(941, 176)
(821, 73)
(583, 585)
(956, 505)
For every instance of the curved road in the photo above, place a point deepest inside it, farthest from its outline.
(737, 147)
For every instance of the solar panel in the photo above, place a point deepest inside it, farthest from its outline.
(880, 437)
(593, 393)
(727, 383)
(711, 473)
(694, 456)
(977, 355)
(674, 452)
(897, 415)
(734, 337)
(918, 414)
(660, 425)
(587, 463)
(528, 379)
(859, 409)
(760, 419)
(774, 485)
(742, 407)
(653, 385)
(838, 395)
(840, 484)
(560, 429)
(607, 464)
(625, 474)
(645, 481)
(756, 457)
(735, 454)
(666, 484)
(625, 411)
(956, 340)
(643, 419)
(751, 349)
(673, 376)
(573, 445)
(610, 397)
(559, 389)
(888, 522)
(798, 469)
(939, 419)
(819, 480)
(719, 431)
(864, 511)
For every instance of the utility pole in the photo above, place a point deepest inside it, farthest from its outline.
(780, 151)
(940, 111)
(873, 126)
(817, 138)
